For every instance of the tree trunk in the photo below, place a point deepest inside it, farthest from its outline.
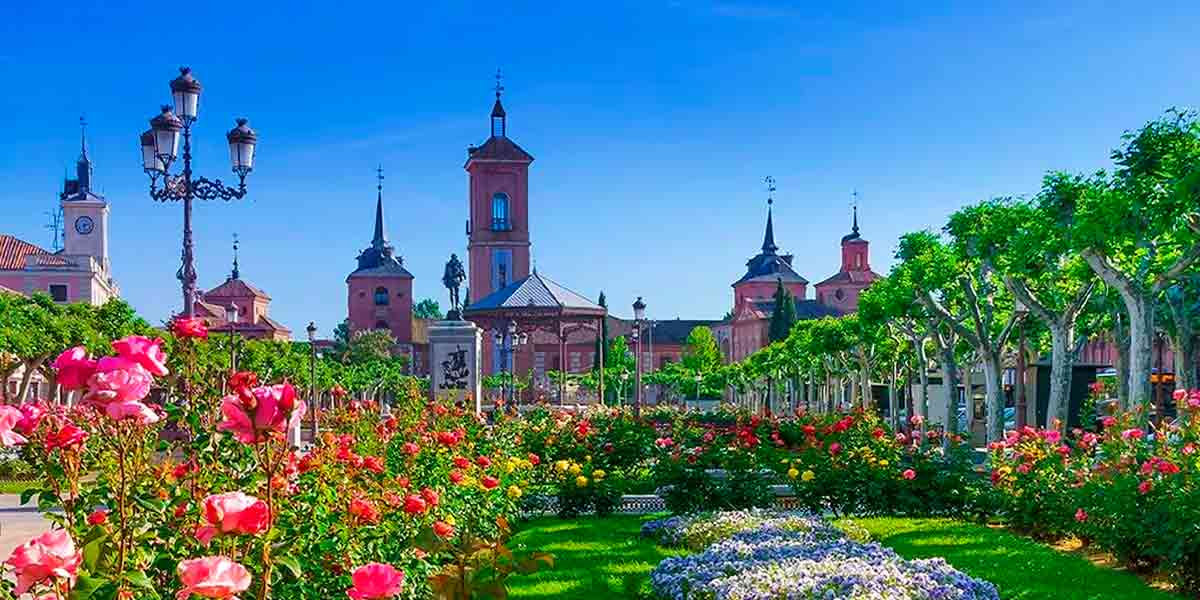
(31, 367)
(950, 389)
(1120, 344)
(1061, 365)
(922, 407)
(993, 386)
(1183, 340)
(1141, 353)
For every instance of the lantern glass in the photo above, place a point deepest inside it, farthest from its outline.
(242, 141)
(639, 309)
(231, 313)
(166, 127)
(185, 92)
(150, 160)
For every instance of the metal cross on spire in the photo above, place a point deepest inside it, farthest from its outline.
(854, 207)
(236, 274)
(499, 85)
(770, 181)
(379, 177)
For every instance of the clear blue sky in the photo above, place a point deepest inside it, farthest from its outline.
(653, 123)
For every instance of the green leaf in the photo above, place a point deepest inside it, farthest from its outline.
(291, 563)
(28, 494)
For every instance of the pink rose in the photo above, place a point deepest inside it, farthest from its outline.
(1133, 434)
(212, 577)
(66, 437)
(118, 379)
(1145, 486)
(144, 351)
(910, 474)
(916, 420)
(233, 513)
(414, 504)
(9, 417)
(1108, 421)
(131, 409)
(273, 410)
(184, 327)
(74, 368)
(835, 448)
(1051, 436)
(31, 417)
(49, 555)
(375, 581)
(1081, 515)
(664, 442)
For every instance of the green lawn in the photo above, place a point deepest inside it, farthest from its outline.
(1020, 568)
(605, 559)
(596, 559)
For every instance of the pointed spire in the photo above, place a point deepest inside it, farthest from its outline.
(380, 238)
(853, 235)
(769, 246)
(499, 121)
(854, 228)
(83, 168)
(235, 274)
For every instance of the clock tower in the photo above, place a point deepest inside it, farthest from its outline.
(85, 214)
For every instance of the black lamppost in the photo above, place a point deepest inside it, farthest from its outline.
(160, 145)
(312, 386)
(508, 340)
(639, 315)
(231, 316)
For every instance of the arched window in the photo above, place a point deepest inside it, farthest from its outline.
(382, 325)
(381, 296)
(500, 219)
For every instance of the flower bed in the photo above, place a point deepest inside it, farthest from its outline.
(790, 555)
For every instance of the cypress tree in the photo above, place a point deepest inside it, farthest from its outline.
(784, 314)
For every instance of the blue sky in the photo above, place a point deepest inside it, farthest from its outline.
(653, 123)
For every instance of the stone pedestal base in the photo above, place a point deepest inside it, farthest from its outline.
(456, 361)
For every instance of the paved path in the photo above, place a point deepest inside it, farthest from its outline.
(18, 523)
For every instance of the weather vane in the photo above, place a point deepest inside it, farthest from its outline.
(499, 85)
(379, 176)
(770, 181)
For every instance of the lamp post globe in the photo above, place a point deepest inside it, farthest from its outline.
(312, 331)
(639, 315)
(639, 309)
(185, 92)
(151, 164)
(166, 127)
(242, 141)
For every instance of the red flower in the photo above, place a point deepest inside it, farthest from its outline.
(461, 462)
(534, 459)
(1081, 515)
(184, 327)
(364, 510)
(583, 428)
(878, 433)
(447, 438)
(483, 461)
(430, 497)
(443, 529)
(375, 581)
(67, 437)
(1145, 486)
(411, 449)
(373, 463)
(74, 368)
(489, 482)
(456, 476)
(414, 505)
(909, 474)
(834, 449)
(98, 517)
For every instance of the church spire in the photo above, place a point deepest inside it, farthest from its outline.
(853, 235)
(380, 238)
(499, 120)
(769, 246)
(235, 274)
(83, 168)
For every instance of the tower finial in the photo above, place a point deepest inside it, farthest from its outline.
(380, 238)
(235, 274)
(769, 246)
(854, 203)
(499, 84)
(82, 138)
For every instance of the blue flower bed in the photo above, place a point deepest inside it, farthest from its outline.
(790, 555)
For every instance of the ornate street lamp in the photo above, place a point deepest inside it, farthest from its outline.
(160, 148)
(639, 316)
(231, 317)
(1022, 312)
(312, 388)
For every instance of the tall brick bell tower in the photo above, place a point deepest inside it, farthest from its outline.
(498, 228)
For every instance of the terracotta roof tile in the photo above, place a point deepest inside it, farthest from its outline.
(13, 252)
(235, 288)
(499, 148)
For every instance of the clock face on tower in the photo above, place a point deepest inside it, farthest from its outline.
(84, 225)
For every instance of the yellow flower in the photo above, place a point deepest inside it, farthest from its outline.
(510, 467)
(561, 466)
(883, 463)
(449, 519)
(587, 458)
(575, 469)
(514, 491)
(783, 461)
(598, 474)
(793, 473)
(581, 481)
(808, 475)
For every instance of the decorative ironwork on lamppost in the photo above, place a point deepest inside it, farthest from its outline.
(507, 341)
(160, 147)
(639, 316)
(312, 386)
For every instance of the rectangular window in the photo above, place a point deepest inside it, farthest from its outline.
(502, 268)
(58, 292)
(574, 361)
(539, 364)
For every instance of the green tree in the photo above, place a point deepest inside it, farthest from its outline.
(783, 316)
(428, 309)
(700, 351)
(1139, 229)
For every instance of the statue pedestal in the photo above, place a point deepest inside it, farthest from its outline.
(455, 361)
